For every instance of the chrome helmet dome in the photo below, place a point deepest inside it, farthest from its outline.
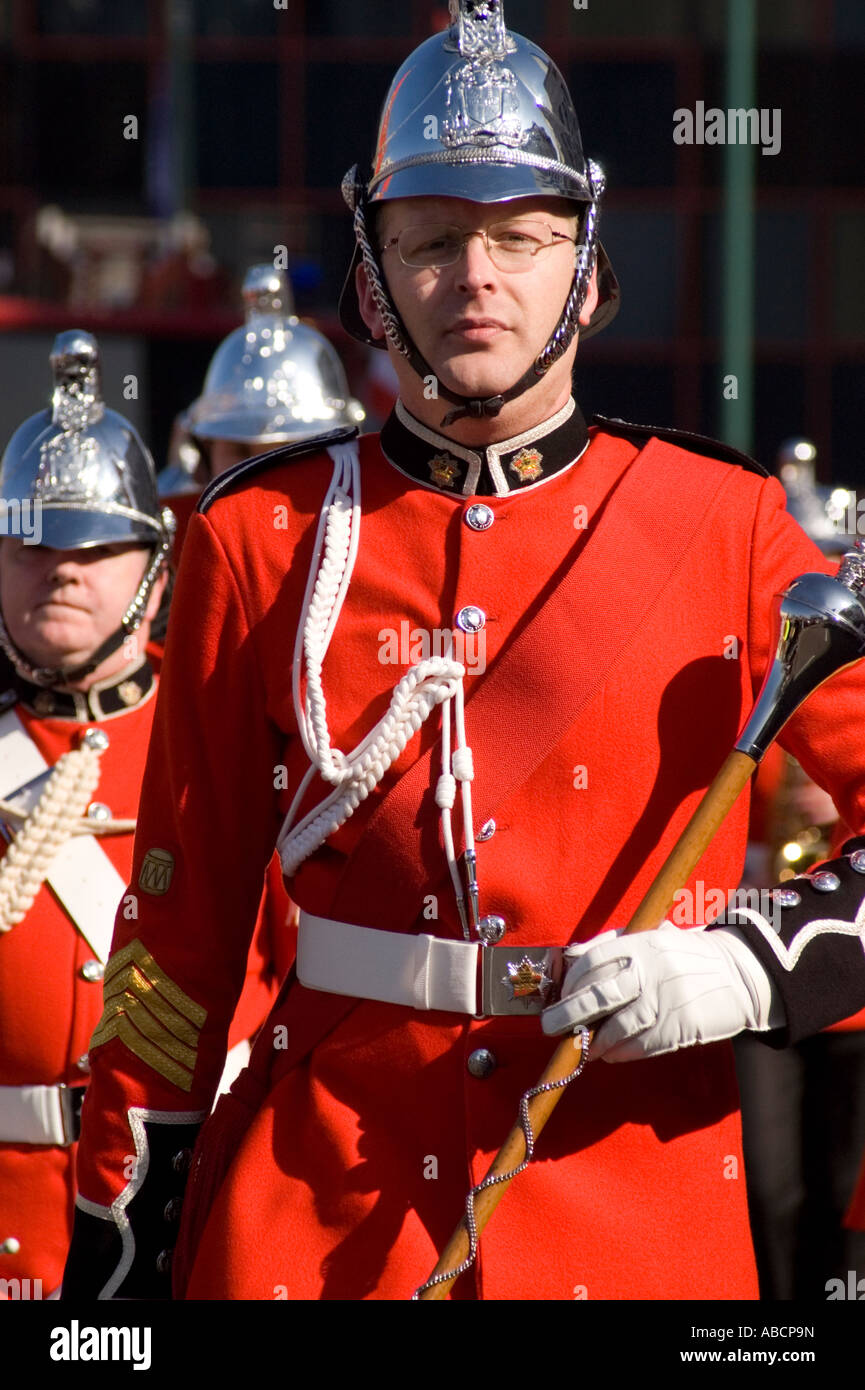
(77, 476)
(275, 379)
(483, 114)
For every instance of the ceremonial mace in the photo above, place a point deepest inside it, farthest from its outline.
(820, 625)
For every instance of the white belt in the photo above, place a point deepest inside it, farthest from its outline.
(425, 972)
(39, 1114)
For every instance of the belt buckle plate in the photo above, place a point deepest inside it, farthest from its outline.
(519, 980)
(71, 1099)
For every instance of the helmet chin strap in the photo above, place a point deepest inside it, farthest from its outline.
(487, 407)
(52, 676)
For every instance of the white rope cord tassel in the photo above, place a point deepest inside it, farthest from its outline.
(55, 817)
(430, 683)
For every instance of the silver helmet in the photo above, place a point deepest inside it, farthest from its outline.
(275, 379)
(483, 114)
(78, 475)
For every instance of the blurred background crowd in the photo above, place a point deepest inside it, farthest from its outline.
(247, 113)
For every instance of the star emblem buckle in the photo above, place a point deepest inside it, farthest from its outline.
(519, 979)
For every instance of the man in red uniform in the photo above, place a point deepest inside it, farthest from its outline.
(82, 572)
(522, 649)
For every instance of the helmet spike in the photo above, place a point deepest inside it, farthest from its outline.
(478, 30)
(77, 399)
(267, 290)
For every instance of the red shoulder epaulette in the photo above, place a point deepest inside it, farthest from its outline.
(696, 443)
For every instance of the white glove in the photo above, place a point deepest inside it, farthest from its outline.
(664, 989)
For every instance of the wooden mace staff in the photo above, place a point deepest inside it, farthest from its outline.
(821, 630)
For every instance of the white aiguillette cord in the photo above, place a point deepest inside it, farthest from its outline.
(436, 681)
(50, 844)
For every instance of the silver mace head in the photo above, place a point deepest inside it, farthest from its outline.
(820, 625)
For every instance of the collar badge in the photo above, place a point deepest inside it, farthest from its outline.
(130, 692)
(444, 468)
(527, 465)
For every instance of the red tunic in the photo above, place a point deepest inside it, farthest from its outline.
(50, 1009)
(354, 1169)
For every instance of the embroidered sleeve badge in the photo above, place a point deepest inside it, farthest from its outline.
(157, 868)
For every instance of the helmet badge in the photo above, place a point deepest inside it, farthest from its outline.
(481, 101)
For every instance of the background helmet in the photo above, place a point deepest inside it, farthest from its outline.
(275, 379)
(479, 113)
(78, 476)
(822, 512)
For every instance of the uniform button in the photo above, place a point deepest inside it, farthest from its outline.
(97, 810)
(181, 1160)
(786, 897)
(163, 1262)
(491, 929)
(96, 739)
(488, 830)
(481, 1063)
(172, 1209)
(10, 1246)
(471, 619)
(857, 861)
(479, 516)
(92, 970)
(826, 882)
(83, 1063)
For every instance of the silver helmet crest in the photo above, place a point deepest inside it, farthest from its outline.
(483, 114)
(77, 476)
(275, 379)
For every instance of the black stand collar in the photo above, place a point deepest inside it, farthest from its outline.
(498, 470)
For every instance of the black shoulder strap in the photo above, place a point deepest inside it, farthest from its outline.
(696, 443)
(247, 467)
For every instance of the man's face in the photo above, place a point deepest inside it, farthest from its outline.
(225, 453)
(59, 606)
(478, 326)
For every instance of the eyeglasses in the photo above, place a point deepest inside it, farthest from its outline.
(510, 245)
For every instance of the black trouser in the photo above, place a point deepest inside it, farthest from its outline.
(803, 1117)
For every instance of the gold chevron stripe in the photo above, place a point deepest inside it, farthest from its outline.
(135, 953)
(150, 1015)
(120, 1027)
(130, 982)
(138, 1015)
